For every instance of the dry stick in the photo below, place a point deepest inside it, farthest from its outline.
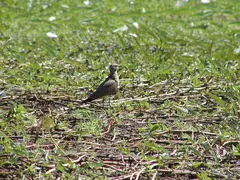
(121, 177)
(132, 175)
(175, 171)
(114, 136)
(91, 143)
(230, 142)
(111, 167)
(51, 170)
(139, 172)
(110, 125)
(44, 145)
(154, 175)
(58, 147)
(187, 131)
(114, 163)
(218, 175)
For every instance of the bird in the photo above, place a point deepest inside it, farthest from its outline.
(108, 87)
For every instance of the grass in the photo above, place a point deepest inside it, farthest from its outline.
(176, 114)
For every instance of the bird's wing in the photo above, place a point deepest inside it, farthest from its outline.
(108, 87)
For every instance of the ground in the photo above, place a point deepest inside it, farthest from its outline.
(176, 115)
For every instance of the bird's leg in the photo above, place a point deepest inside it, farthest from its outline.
(103, 102)
(109, 99)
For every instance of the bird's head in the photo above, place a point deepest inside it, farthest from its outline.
(113, 68)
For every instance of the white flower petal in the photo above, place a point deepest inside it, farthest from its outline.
(65, 6)
(51, 35)
(52, 18)
(123, 28)
(136, 25)
(87, 2)
(205, 1)
(131, 34)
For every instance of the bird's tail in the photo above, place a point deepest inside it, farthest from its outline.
(85, 101)
(89, 99)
